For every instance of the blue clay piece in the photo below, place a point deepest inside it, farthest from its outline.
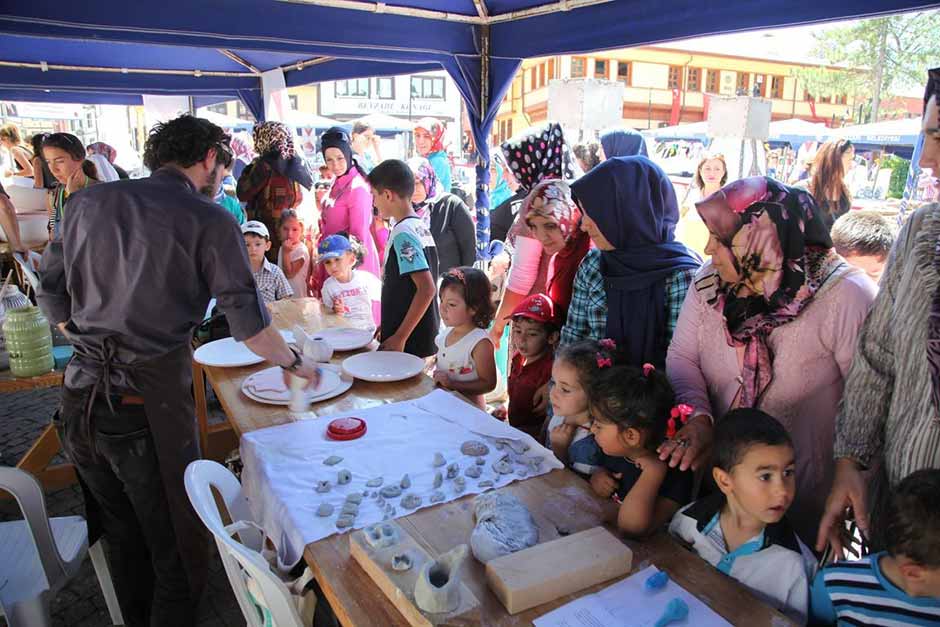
(676, 610)
(657, 581)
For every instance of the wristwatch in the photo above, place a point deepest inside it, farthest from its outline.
(294, 365)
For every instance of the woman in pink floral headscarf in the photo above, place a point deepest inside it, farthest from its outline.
(770, 323)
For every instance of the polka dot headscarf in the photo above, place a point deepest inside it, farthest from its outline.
(540, 153)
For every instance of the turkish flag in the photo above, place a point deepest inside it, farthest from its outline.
(674, 114)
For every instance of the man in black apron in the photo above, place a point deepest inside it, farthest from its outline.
(127, 280)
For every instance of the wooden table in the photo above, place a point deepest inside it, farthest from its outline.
(36, 460)
(561, 503)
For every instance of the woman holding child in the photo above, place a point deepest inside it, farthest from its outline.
(770, 323)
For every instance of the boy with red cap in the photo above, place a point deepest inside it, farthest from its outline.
(534, 335)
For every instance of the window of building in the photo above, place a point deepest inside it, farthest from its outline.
(542, 74)
(385, 88)
(240, 111)
(578, 67)
(533, 78)
(841, 99)
(624, 73)
(760, 86)
(712, 81)
(776, 87)
(825, 99)
(675, 77)
(293, 102)
(551, 69)
(221, 109)
(600, 68)
(694, 79)
(427, 87)
(743, 83)
(355, 88)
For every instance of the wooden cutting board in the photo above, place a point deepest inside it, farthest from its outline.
(399, 586)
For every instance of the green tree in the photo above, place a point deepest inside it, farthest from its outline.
(881, 56)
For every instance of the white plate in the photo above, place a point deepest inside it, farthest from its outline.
(227, 353)
(383, 366)
(345, 338)
(333, 382)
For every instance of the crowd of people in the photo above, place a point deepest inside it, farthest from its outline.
(760, 405)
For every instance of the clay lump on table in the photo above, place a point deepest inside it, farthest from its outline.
(325, 510)
(382, 535)
(390, 491)
(410, 501)
(438, 460)
(343, 477)
(355, 497)
(345, 521)
(349, 509)
(480, 461)
(323, 486)
(405, 482)
(332, 460)
(474, 448)
(486, 483)
(521, 473)
(453, 470)
(401, 562)
(437, 496)
(504, 526)
(438, 480)
(460, 484)
(474, 471)
(374, 483)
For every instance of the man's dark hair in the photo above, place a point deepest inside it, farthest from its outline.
(863, 233)
(743, 428)
(185, 141)
(912, 518)
(395, 176)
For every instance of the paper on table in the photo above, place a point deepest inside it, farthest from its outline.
(628, 603)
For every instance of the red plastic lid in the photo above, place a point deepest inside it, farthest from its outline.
(346, 428)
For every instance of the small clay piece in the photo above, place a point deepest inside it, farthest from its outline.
(401, 562)
(373, 494)
(355, 497)
(438, 460)
(436, 497)
(438, 480)
(410, 501)
(324, 510)
(365, 493)
(343, 477)
(405, 482)
(380, 502)
(452, 471)
(323, 486)
(480, 461)
(390, 491)
(381, 536)
(474, 448)
(535, 463)
(521, 472)
(504, 526)
(486, 483)
(349, 509)
(345, 521)
(503, 467)
(500, 445)
(374, 483)
(516, 446)
(332, 460)
(437, 589)
(473, 472)
(390, 511)
(460, 484)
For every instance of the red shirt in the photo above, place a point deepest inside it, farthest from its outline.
(524, 380)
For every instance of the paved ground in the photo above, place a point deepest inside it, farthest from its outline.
(23, 416)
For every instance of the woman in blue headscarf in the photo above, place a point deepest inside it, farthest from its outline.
(499, 188)
(623, 142)
(631, 287)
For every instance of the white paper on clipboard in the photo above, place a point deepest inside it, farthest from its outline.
(30, 267)
(628, 603)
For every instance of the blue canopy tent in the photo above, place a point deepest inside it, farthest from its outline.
(113, 51)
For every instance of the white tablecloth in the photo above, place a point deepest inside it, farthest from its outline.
(282, 464)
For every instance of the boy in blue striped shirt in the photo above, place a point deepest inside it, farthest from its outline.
(900, 586)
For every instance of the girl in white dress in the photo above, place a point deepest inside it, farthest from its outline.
(465, 360)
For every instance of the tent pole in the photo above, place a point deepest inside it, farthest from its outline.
(483, 158)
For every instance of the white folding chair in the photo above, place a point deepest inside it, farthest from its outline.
(39, 555)
(248, 572)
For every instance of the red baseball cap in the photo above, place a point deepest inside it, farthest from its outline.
(538, 307)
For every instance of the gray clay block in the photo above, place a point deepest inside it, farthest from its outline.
(390, 491)
(410, 501)
(452, 471)
(355, 497)
(474, 448)
(438, 460)
(503, 526)
(324, 510)
(345, 521)
(323, 486)
(438, 480)
(405, 482)
(436, 497)
(343, 477)
(473, 472)
(349, 509)
(374, 483)
(332, 460)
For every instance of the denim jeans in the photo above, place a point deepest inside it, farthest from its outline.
(125, 498)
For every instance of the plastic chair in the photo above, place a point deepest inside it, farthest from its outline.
(241, 558)
(39, 555)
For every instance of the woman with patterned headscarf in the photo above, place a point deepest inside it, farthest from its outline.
(446, 216)
(429, 143)
(108, 152)
(769, 323)
(271, 183)
(889, 420)
(538, 154)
